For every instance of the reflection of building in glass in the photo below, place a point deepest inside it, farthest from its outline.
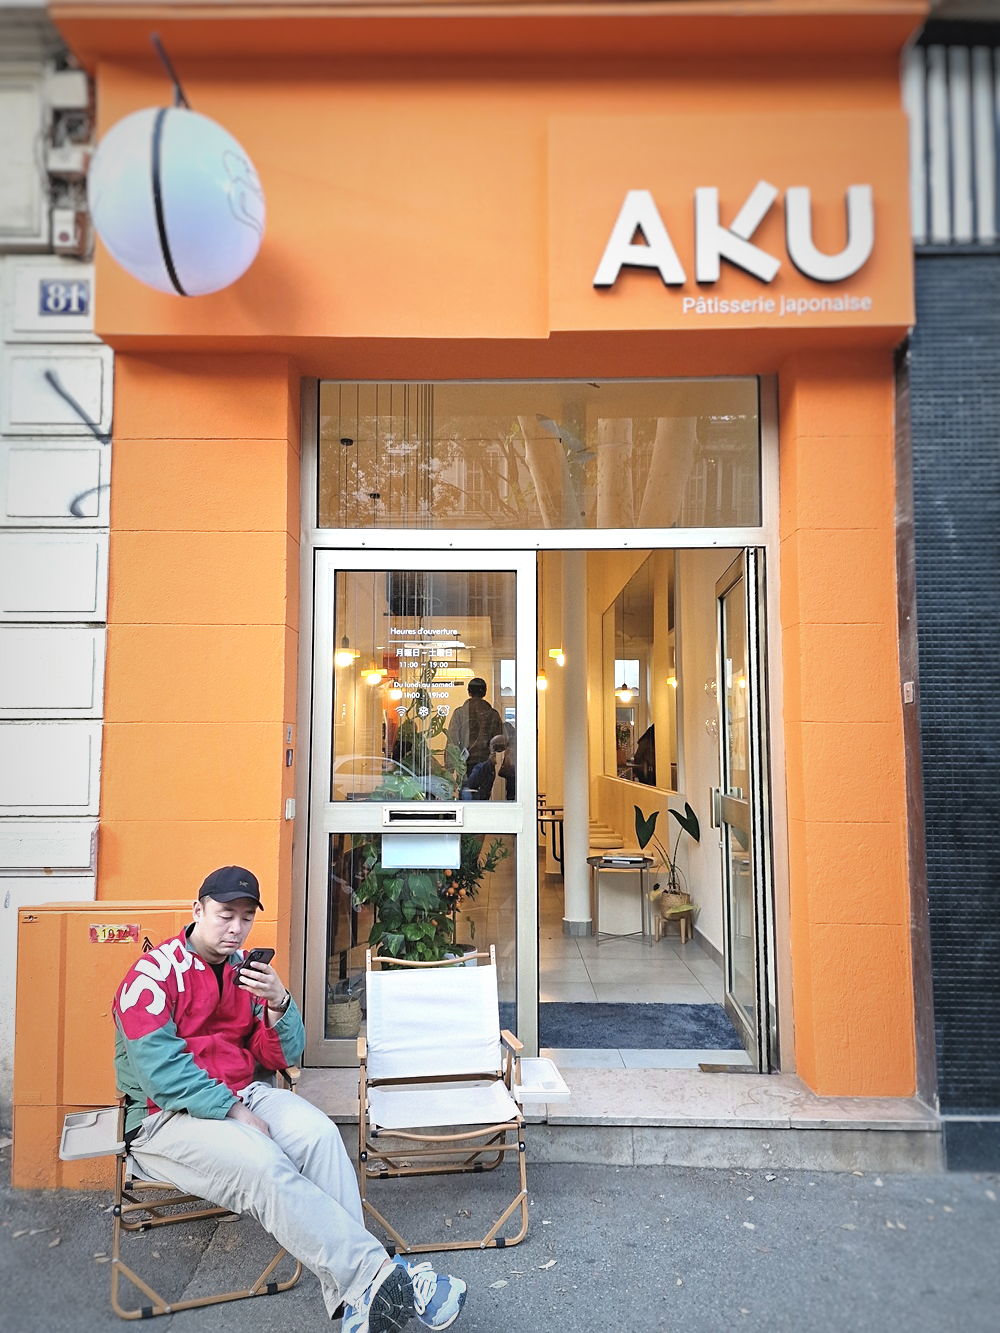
(528, 455)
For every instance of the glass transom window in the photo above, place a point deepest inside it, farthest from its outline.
(540, 454)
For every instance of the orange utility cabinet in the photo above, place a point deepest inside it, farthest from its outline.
(71, 958)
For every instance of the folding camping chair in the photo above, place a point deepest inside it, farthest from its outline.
(141, 1204)
(440, 1085)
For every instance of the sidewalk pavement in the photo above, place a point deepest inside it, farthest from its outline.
(668, 1249)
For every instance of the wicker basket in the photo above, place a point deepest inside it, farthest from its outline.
(343, 1016)
(668, 901)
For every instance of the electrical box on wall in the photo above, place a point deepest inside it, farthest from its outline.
(69, 231)
(67, 90)
(67, 951)
(69, 161)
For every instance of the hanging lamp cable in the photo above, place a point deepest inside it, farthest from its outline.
(180, 99)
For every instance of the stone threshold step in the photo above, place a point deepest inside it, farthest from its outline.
(683, 1117)
(676, 1099)
(845, 1148)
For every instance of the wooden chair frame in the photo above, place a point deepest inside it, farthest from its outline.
(144, 1205)
(420, 1153)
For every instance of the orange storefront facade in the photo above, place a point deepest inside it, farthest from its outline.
(442, 185)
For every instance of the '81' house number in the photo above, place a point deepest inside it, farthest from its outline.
(64, 298)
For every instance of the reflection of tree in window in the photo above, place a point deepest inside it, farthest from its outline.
(481, 472)
(542, 454)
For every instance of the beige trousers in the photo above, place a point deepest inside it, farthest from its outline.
(299, 1184)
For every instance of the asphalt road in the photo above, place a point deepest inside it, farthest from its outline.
(664, 1249)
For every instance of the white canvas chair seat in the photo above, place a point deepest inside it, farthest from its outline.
(436, 1078)
(439, 1104)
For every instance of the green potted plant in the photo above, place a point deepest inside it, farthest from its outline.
(416, 911)
(461, 887)
(413, 920)
(671, 896)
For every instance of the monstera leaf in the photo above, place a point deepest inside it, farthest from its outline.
(645, 828)
(688, 822)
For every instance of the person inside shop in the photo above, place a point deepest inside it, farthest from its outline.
(644, 759)
(478, 782)
(508, 765)
(195, 1019)
(474, 724)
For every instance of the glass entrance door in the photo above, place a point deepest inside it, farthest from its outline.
(422, 786)
(742, 812)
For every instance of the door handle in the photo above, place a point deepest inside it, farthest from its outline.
(715, 806)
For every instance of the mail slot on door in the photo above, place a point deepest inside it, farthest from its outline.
(417, 816)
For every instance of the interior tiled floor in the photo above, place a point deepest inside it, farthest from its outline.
(577, 969)
(624, 970)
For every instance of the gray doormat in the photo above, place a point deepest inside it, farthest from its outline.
(645, 1027)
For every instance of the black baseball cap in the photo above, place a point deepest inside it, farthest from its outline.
(229, 883)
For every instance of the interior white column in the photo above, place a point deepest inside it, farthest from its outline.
(551, 716)
(576, 754)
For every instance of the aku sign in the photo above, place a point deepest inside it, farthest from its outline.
(715, 242)
(749, 220)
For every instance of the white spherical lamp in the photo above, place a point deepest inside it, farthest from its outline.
(176, 201)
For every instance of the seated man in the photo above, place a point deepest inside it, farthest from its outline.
(192, 1029)
(479, 780)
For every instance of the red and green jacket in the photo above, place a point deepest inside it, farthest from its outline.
(181, 1046)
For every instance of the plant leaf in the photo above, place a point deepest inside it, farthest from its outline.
(645, 828)
(688, 822)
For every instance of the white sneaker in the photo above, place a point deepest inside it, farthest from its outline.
(438, 1297)
(386, 1306)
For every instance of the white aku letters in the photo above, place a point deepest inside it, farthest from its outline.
(860, 234)
(639, 213)
(715, 242)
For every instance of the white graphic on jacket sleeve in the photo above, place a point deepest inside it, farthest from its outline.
(130, 996)
(154, 968)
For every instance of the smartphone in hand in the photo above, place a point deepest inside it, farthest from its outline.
(254, 956)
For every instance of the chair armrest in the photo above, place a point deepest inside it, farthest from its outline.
(95, 1133)
(291, 1075)
(362, 1050)
(511, 1042)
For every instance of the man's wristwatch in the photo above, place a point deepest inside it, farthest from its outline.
(283, 1006)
